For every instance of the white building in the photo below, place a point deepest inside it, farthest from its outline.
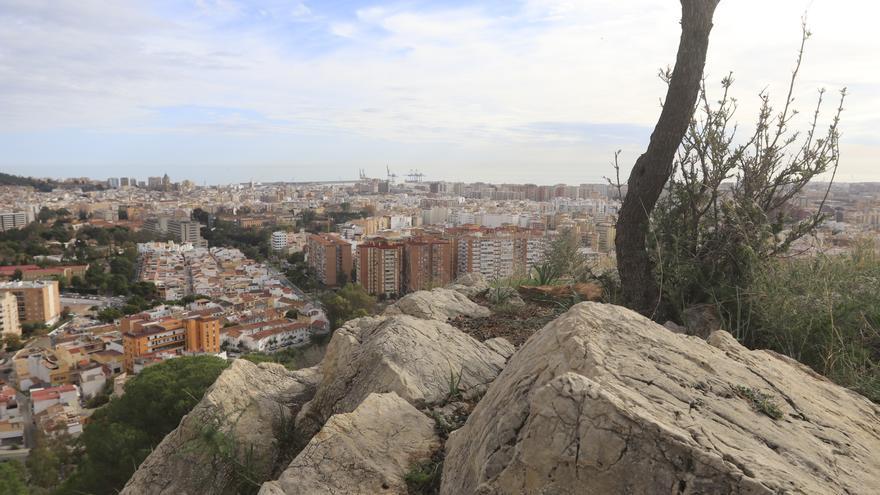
(12, 220)
(279, 241)
(43, 398)
(293, 334)
(9, 324)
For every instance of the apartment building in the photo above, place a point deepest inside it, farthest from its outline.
(144, 339)
(429, 262)
(12, 220)
(37, 301)
(380, 267)
(202, 334)
(187, 231)
(9, 324)
(181, 230)
(330, 257)
(289, 242)
(499, 253)
(279, 241)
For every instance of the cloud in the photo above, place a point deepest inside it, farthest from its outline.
(542, 77)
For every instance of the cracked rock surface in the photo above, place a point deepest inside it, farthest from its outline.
(364, 452)
(246, 405)
(437, 304)
(418, 359)
(602, 400)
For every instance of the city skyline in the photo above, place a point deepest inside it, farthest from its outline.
(226, 91)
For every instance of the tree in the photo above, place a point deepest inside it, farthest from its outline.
(349, 302)
(17, 274)
(726, 213)
(653, 167)
(122, 433)
(201, 216)
(564, 259)
(12, 478)
(109, 315)
(12, 342)
(48, 461)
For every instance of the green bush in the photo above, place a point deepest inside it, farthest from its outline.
(824, 312)
(12, 476)
(349, 302)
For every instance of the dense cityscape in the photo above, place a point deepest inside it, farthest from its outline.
(390, 238)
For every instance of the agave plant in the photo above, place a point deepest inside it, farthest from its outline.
(546, 273)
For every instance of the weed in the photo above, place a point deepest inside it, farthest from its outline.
(546, 273)
(423, 478)
(454, 391)
(762, 402)
(499, 296)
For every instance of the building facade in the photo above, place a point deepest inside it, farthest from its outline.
(500, 254)
(169, 336)
(380, 267)
(9, 324)
(37, 301)
(429, 262)
(180, 230)
(12, 220)
(330, 258)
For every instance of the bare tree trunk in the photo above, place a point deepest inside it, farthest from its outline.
(651, 171)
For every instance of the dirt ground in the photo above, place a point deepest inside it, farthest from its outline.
(514, 323)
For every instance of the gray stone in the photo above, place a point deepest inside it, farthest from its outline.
(364, 452)
(437, 304)
(424, 361)
(245, 406)
(602, 400)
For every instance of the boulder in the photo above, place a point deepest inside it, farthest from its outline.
(424, 361)
(243, 412)
(602, 400)
(470, 284)
(364, 452)
(437, 304)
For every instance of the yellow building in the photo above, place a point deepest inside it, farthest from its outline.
(202, 334)
(198, 335)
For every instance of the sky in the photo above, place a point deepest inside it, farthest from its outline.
(517, 91)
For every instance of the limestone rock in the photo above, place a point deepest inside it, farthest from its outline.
(437, 304)
(245, 405)
(365, 452)
(602, 400)
(501, 346)
(470, 284)
(423, 361)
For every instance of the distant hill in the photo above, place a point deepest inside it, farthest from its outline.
(16, 180)
(47, 185)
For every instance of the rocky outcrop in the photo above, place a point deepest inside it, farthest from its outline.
(470, 284)
(365, 452)
(437, 304)
(602, 400)
(243, 412)
(423, 361)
